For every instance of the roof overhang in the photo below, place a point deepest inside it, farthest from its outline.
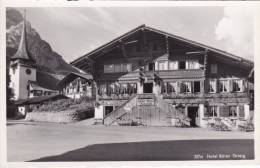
(106, 47)
(71, 76)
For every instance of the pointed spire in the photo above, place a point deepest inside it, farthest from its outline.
(22, 51)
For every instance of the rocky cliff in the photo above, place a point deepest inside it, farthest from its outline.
(46, 59)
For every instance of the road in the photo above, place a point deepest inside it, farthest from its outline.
(29, 141)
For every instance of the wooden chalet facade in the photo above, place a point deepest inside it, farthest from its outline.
(76, 85)
(147, 74)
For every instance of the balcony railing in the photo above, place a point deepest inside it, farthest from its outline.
(205, 95)
(177, 74)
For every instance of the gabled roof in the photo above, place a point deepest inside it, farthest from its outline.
(73, 75)
(22, 51)
(36, 86)
(144, 27)
(40, 99)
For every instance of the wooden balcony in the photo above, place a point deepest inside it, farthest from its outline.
(180, 74)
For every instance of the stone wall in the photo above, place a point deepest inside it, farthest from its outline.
(59, 117)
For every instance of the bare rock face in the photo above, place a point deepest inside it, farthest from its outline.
(46, 59)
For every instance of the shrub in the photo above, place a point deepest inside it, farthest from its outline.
(65, 104)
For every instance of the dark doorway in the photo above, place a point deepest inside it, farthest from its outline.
(108, 109)
(151, 66)
(148, 88)
(192, 114)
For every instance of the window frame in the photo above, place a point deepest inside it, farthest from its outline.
(231, 113)
(194, 86)
(215, 85)
(241, 83)
(186, 86)
(195, 64)
(175, 65)
(227, 87)
(112, 69)
(164, 63)
(212, 110)
(179, 65)
(171, 85)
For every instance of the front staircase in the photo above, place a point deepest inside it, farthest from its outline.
(121, 111)
(143, 109)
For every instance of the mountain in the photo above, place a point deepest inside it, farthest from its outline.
(46, 59)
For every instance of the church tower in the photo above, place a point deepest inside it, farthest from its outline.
(22, 68)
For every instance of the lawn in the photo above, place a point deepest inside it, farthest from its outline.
(29, 141)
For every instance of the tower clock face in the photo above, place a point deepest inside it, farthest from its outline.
(28, 71)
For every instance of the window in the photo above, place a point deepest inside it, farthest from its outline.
(192, 64)
(212, 86)
(37, 93)
(238, 85)
(223, 85)
(128, 67)
(164, 87)
(118, 68)
(102, 89)
(151, 66)
(196, 86)
(162, 65)
(213, 68)
(123, 67)
(182, 65)
(172, 87)
(186, 87)
(211, 111)
(132, 88)
(111, 89)
(232, 111)
(117, 88)
(109, 68)
(173, 65)
(124, 88)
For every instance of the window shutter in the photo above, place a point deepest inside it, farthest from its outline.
(230, 87)
(217, 86)
(244, 85)
(241, 111)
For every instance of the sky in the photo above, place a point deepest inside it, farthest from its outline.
(73, 32)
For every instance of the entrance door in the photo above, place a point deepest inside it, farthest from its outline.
(192, 114)
(148, 88)
(108, 109)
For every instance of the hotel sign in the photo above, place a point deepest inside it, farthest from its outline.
(145, 102)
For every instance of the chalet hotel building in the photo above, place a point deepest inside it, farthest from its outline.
(149, 75)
